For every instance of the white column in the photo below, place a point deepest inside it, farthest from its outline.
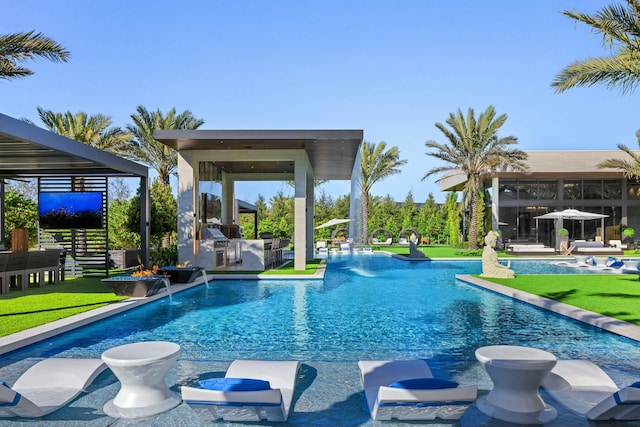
(495, 203)
(228, 196)
(300, 215)
(187, 220)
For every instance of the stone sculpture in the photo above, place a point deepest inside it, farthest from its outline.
(491, 267)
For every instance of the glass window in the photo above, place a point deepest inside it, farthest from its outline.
(548, 190)
(633, 191)
(527, 190)
(508, 190)
(572, 190)
(593, 190)
(612, 190)
(508, 222)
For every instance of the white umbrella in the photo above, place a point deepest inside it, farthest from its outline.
(571, 214)
(332, 222)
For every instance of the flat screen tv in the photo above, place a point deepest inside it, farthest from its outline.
(70, 210)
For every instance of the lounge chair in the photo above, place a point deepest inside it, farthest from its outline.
(252, 390)
(345, 248)
(586, 389)
(48, 386)
(406, 390)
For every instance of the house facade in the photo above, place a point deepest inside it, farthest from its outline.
(558, 180)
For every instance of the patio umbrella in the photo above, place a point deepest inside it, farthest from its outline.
(332, 222)
(573, 214)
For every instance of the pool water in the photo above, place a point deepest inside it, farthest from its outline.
(368, 307)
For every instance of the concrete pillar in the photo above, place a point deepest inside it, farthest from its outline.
(495, 203)
(187, 217)
(145, 225)
(228, 199)
(300, 214)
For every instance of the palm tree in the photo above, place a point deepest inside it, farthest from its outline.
(92, 130)
(152, 152)
(20, 47)
(376, 164)
(474, 148)
(619, 26)
(630, 167)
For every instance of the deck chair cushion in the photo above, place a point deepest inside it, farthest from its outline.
(424, 384)
(234, 384)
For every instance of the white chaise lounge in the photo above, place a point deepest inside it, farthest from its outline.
(48, 386)
(252, 390)
(586, 389)
(406, 390)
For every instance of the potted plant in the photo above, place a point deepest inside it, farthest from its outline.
(563, 236)
(628, 234)
(141, 283)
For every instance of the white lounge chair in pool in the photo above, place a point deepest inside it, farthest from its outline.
(252, 390)
(48, 386)
(406, 390)
(586, 389)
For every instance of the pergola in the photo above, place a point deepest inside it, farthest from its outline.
(27, 151)
(301, 156)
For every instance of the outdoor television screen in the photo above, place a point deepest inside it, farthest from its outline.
(70, 210)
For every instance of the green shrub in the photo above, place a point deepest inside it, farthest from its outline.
(563, 232)
(164, 256)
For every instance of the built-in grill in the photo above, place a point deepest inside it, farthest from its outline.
(219, 239)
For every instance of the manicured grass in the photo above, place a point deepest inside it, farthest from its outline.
(311, 268)
(613, 295)
(435, 251)
(20, 310)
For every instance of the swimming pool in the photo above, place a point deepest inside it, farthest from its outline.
(368, 307)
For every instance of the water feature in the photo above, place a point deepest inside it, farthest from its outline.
(204, 277)
(167, 285)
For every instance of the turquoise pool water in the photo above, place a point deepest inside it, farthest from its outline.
(368, 307)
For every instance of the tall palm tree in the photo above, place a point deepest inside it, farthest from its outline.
(94, 130)
(619, 26)
(376, 164)
(152, 152)
(474, 148)
(20, 47)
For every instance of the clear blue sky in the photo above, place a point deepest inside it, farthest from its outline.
(391, 68)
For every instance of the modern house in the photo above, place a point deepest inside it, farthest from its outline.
(559, 180)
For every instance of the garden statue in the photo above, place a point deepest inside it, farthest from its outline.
(491, 267)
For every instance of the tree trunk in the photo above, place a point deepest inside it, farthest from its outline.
(473, 222)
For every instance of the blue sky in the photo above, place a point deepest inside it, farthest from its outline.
(391, 68)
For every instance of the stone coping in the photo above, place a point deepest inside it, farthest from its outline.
(616, 326)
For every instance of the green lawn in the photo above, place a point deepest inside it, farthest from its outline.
(614, 295)
(20, 310)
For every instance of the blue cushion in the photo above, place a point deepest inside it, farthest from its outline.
(234, 384)
(635, 385)
(424, 384)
